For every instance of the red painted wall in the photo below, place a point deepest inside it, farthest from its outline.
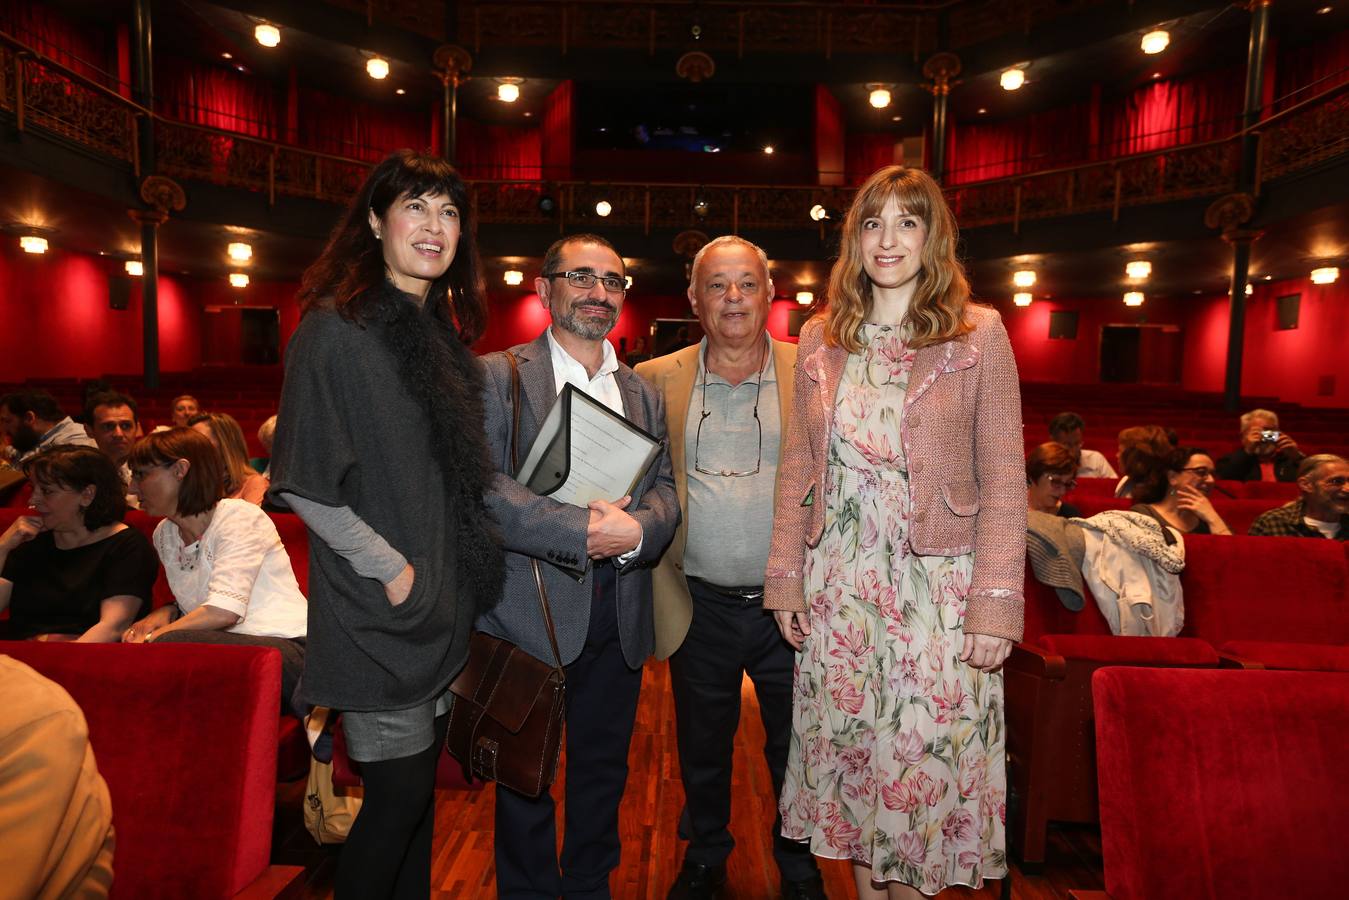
(1291, 364)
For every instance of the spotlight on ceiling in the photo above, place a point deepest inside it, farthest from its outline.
(700, 207)
(135, 268)
(1138, 269)
(1024, 279)
(513, 277)
(1155, 41)
(805, 298)
(239, 251)
(768, 149)
(377, 67)
(818, 213)
(238, 280)
(1133, 298)
(400, 91)
(1325, 275)
(1022, 298)
(267, 35)
(32, 243)
(508, 91)
(878, 95)
(603, 208)
(1012, 79)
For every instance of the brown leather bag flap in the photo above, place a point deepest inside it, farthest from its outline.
(502, 679)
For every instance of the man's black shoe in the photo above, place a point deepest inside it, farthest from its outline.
(811, 888)
(697, 882)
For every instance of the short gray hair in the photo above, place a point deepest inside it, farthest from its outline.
(1311, 464)
(1268, 415)
(727, 240)
(267, 431)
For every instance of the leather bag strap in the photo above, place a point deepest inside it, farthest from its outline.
(515, 468)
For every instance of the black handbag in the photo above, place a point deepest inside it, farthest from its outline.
(506, 720)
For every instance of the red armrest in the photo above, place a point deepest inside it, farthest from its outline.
(1146, 651)
(1301, 657)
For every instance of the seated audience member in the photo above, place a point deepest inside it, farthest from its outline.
(185, 409)
(1176, 492)
(56, 834)
(1266, 454)
(266, 433)
(1322, 510)
(74, 571)
(111, 419)
(34, 421)
(1050, 472)
(1139, 447)
(241, 481)
(231, 578)
(1066, 429)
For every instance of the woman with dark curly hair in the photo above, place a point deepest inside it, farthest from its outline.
(1175, 490)
(380, 449)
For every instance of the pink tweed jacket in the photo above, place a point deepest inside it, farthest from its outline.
(961, 432)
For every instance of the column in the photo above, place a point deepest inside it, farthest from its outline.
(941, 68)
(452, 64)
(160, 195)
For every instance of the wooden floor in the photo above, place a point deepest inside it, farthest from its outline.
(652, 853)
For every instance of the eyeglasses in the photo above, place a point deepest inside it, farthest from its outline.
(613, 284)
(1066, 483)
(142, 474)
(1200, 472)
(698, 438)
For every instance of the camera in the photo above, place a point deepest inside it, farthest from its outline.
(1270, 436)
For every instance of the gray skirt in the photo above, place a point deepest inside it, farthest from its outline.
(386, 734)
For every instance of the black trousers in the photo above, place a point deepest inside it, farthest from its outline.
(728, 637)
(601, 709)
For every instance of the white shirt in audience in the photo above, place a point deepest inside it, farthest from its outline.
(1329, 529)
(238, 565)
(1092, 464)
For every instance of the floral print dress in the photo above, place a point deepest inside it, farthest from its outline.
(897, 757)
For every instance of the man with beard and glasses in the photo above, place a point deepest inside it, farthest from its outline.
(598, 573)
(34, 421)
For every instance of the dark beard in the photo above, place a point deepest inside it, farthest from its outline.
(25, 438)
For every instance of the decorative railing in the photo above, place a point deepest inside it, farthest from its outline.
(37, 92)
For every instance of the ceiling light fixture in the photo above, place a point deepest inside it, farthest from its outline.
(1138, 269)
(1325, 275)
(32, 243)
(878, 95)
(377, 68)
(227, 56)
(513, 277)
(135, 268)
(239, 251)
(603, 208)
(400, 92)
(1012, 79)
(267, 35)
(1155, 41)
(1325, 9)
(238, 280)
(1024, 279)
(1133, 298)
(768, 149)
(1022, 298)
(818, 213)
(508, 91)
(805, 298)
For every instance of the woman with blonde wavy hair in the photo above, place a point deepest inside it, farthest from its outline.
(242, 482)
(897, 556)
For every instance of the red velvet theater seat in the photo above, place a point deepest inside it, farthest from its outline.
(1221, 783)
(186, 739)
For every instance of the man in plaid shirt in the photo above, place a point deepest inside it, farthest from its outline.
(1323, 509)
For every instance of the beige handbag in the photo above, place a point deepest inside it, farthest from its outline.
(328, 814)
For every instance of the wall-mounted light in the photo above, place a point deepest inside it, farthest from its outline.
(1012, 79)
(1022, 298)
(603, 208)
(267, 35)
(513, 277)
(239, 251)
(1133, 298)
(1024, 279)
(32, 243)
(1138, 269)
(508, 90)
(878, 95)
(805, 298)
(134, 268)
(700, 207)
(238, 280)
(1155, 41)
(1325, 275)
(818, 213)
(377, 67)
(1250, 289)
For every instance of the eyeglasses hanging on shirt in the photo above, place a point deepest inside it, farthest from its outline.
(698, 438)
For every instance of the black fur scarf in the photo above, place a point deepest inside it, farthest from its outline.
(437, 369)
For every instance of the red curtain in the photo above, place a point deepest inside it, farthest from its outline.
(868, 152)
(206, 94)
(555, 151)
(85, 49)
(1164, 114)
(829, 137)
(1043, 140)
(498, 151)
(357, 129)
(1308, 70)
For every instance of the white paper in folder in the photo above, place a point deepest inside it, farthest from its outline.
(586, 451)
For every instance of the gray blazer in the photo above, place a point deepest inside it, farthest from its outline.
(555, 533)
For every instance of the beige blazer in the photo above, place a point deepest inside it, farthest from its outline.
(674, 376)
